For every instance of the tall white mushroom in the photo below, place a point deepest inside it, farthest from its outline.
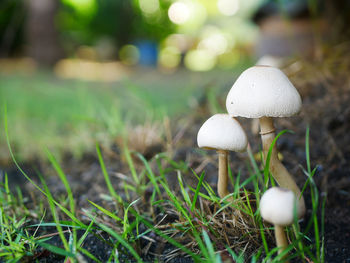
(265, 92)
(277, 207)
(222, 133)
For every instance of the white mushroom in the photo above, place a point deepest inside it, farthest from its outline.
(277, 207)
(222, 133)
(265, 92)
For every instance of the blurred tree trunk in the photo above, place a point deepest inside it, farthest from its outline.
(337, 13)
(42, 35)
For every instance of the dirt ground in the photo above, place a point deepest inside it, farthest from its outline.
(325, 90)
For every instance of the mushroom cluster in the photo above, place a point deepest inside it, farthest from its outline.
(263, 93)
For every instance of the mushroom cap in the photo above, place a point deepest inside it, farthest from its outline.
(263, 91)
(277, 206)
(222, 132)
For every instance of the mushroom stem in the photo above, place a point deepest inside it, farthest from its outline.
(277, 169)
(281, 240)
(223, 177)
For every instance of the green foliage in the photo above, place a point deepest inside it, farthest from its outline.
(122, 21)
(88, 21)
(12, 15)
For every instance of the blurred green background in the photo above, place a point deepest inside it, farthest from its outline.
(76, 71)
(147, 32)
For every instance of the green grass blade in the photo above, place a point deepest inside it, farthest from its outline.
(209, 246)
(307, 149)
(106, 176)
(131, 164)
(56, 250)
(268, 157)
(195, 197)
(126, 225)
(106, 212)
(183, 190)
(88, 254)
(82, 238)
(63, 178)
(54, 214)
(150, 174)
(65, 182)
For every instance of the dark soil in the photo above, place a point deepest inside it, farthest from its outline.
(326, 110)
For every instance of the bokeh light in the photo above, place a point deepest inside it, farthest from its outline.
(86, 52)
(129, 55)
(169, 57)
(200, 60)
(228, 7)
(149, 7)
(214, 41)
(179, 13)
(197, 18)
(180, 41)
(89, 70)
(229, 59)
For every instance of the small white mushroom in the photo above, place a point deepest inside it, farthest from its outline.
(222, 133)
(265, 92)
(277, 207)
